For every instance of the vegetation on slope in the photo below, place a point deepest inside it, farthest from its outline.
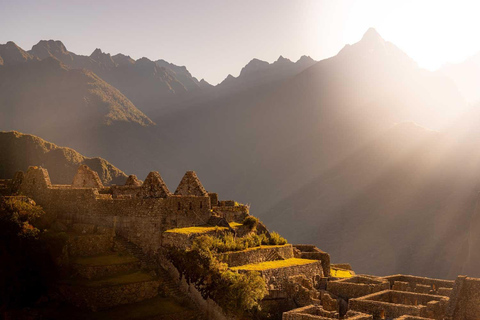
(237, 294)
(26, 266)
(24, 150)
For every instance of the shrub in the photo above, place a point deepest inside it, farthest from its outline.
(250, 222)
(276, 239)
(236, 293)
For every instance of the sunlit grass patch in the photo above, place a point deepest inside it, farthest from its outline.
(235, 224)
(260, 247)
(193, 230)
(341, 273)
(274, 264)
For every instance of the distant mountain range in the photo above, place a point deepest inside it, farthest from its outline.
(334, 152)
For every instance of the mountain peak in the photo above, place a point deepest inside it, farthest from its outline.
(97, 52)
(281, 59)
(47, 48)
(254, 65)
(13, 54)
(121, 59)
(372, 36)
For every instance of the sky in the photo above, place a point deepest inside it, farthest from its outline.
(214, 38)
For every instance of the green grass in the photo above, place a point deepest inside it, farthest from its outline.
(260, 247)
(341, 273)
(274, 264)
(115, 281)
(193, 230)
(105, 260)
(235, 224)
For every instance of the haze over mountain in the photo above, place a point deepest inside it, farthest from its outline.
(466, 75)
(317, 148)
(19, 151)
(149, 85)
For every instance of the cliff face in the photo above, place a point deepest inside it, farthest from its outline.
(19, 151)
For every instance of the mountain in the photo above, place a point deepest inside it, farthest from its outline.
(258, 72)
(19, 151)
(275, 150)
(280, 140)
(46, 98)
(11, 54)
(466, 75)
(149, 85)
(181, 74)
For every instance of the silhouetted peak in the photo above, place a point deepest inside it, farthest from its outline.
(96, 53)
(122, 59)
(47, 48)
(13, 54)
(304, 59)
(55, 45)
(254, 65)
(228, 79)
(282, 60)
(103, 58)
(145, 60)
(204, 84)
(174, 67)
(372, 37)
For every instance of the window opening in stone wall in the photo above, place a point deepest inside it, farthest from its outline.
(179, 206)
(190, 206)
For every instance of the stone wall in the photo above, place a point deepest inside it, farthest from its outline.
(139, 220)
(313, 312)
(357, 286)
(402, 282)
(392, 304)
(278, 278)
(307, 251)
(465, 299)
(232, 213)
(256, 255)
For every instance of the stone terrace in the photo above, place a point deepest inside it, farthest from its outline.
(357, 286)
(313, 312)
(391, 304)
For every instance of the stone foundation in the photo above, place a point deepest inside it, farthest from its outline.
(392, 304)
(256, 255)
(357, 286)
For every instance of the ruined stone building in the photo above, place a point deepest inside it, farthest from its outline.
(147, 216)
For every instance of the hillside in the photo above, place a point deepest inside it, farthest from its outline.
(19, 151)
(48, 99)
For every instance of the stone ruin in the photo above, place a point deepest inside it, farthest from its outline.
(149, 217)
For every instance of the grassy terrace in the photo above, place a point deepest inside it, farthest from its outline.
(341, 273)
(201, 229)
(260, 247)
(105, 260)
(114, 281)
(274, 264)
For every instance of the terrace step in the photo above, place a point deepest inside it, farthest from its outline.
(158, 308)
(111, 264)
(109, 292)
(146, 261)
(82, 245)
